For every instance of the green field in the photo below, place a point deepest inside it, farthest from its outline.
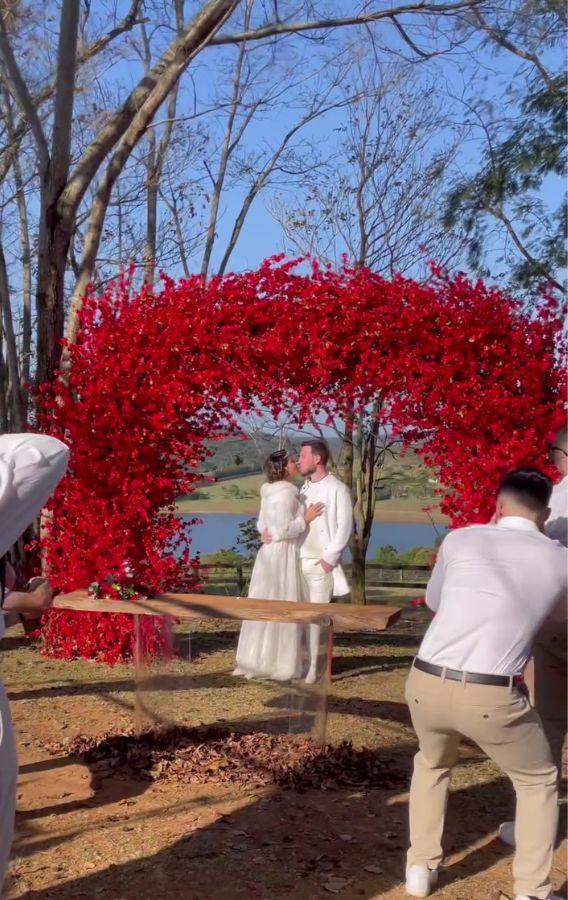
(242, 495)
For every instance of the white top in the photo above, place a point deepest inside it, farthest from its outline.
(557, 525)
(492, 588)
(31, 467)
(328, 535)
(281, 513)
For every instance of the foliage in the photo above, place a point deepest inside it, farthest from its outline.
(224, 557)
(462, 368)
(507, 188)
(249, 538)
(415, 556)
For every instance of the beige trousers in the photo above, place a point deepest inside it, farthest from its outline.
(550, 689)
(505, 726)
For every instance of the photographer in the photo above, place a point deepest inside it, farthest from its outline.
(31, 467)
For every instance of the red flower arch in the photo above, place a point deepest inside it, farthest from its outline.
(460, 367)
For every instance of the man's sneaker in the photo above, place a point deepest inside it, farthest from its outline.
(507, 833)
(420, 880)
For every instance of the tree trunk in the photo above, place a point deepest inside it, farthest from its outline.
(182, 52)
(4, 425)
(56, 222)
(50, 295)
(26, 352)
(358, 569)
(17, 417)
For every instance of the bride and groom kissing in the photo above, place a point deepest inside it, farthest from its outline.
(304, 533)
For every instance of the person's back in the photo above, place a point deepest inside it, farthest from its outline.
(492, 588)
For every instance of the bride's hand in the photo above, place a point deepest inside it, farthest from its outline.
(314, 511)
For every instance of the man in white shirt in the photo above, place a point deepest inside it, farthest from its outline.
(492, 588)
(550, 671)
(326, 538)
(31, 467)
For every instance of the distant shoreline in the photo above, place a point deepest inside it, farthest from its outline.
(399, 516)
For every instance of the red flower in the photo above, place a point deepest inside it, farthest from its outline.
(457, 368)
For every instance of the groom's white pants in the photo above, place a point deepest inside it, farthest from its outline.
(319, 583)
(319, 589)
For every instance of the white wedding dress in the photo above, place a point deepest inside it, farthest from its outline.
(274, 649)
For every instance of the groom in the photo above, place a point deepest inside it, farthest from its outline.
(326, 537)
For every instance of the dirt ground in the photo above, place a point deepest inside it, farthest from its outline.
(81, 834)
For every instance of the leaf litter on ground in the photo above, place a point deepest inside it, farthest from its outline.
(214, 755)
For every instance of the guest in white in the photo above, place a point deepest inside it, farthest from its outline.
(327, 537)
(273, 649)
(549, 671)
(492, 588)
(31, 466)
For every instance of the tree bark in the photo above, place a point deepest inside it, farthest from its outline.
(56, 228)
(358, 572)
(17, 416)
(26, 351)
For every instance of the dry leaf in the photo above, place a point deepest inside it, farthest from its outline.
(335, 885)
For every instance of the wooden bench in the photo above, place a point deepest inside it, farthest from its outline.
(341, 616)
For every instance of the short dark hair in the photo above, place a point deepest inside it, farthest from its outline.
(529, 487)
(319, 447)
(275, 466)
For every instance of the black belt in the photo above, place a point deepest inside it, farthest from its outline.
(471, 677)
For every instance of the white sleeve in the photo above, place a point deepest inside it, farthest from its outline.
(557, 529)
(435, 584)
(344, 526)
(287, 520)
(31, 467)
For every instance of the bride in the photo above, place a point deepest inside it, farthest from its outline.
(273, 649)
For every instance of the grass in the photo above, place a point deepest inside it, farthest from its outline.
(217, 501)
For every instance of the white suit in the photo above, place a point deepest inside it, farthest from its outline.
(31, 467)
(326, 538)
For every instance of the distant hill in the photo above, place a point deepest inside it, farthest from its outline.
(234, 457)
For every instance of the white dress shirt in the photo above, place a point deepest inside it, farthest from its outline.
(492, 588)
(31, 467)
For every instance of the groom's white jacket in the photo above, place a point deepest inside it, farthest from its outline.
(334, 527)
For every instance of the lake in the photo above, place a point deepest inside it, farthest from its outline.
(220, 531)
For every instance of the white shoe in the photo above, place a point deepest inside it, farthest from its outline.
(311, 677)
(420, 880)
(507, 833)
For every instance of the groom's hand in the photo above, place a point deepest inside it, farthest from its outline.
(325, 566)
(266, 539)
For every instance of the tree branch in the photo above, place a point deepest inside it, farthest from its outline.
(21, 94)
(277, 28)
(166, 72)
(504, 42)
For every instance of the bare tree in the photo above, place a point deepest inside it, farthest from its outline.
(379, 200)
(63, 186)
